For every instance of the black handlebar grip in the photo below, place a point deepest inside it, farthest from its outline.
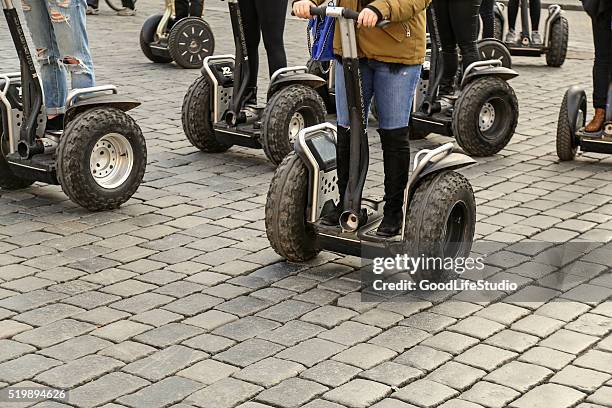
(318, 11)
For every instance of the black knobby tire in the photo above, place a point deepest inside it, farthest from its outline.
(74, 153)
(493, 50)
(466, 116)
(147, 36)
(196, 117)
(429, 223)
(190, 41)
(289, 234)
(559, 38)
(278, 114)
(8, 180)
(566, 132)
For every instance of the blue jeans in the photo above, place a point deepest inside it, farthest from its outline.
(60, 37)
(392, 89)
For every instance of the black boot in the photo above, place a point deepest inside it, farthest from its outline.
(450, 64)
(251, 96)
(396, 155)
(343, 152)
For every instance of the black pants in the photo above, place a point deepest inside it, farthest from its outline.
(125, 3)
(487, 14)
(603, 62)
(186, 8)
(267, 18)
(457, 25)
(535, 8)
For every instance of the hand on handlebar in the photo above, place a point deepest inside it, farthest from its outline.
(302, 8)
(367, 18)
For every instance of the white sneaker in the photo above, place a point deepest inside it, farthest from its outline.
(126, 12)
(511, 37)
(92, 11)
(536, 38)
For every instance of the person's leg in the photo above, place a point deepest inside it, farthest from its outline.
(92, 7)
(272, 16)
(448, 41)
(601, 69)
(196, 8)
(535, 10)
(487, 13)
(252, 33)
(129, 9)
(181, 9)
(513, 9)
(465, 26)
(53, 77)
(394, 89)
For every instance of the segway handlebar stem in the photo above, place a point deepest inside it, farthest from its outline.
(337, 12)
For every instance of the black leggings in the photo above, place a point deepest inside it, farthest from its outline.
(487, 14)
(535, 8)
(267, 18)
(601, 69)
(457, 25)
(186, 8)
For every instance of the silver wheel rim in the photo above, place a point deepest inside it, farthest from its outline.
(580, 119)
(111, 161)
(296, 124)
(487, 117)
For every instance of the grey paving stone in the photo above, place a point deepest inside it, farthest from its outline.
(580, 378)
(157, 317)
(143, 302)
(568, 341)
(454, 343)
(269, 372)
(456, 375)
(392, 403)
(10, 328)
(392, 374)
(331, 373)
(101, 316)
(161, 393)
(455, 309)
(208, 371)
(328, 316)
(293, 392)
(180, 289)
(127, 351)
(75, 348)
(547, 395)
(54, 333)
(490, 395)
(291, 333)
(311, 351)
(105, 389)
(248, 352)
(519, 376)
(193, 304)
(423, 358)
(379, 318)
(164, 362)
(286, 310)
(602, 396)
(10, 349)
(172, 333)
(400, 338)
(210, 320)
(209, 343)
(31, 300)
(459, 403)
(429, 322)
(478, 327)
(47, 314)
(350, 333)
(25, 367)
(319, 403)
(562, 310)
(537, 325)
(485, 357)
(120, 330)
(547, 357)
(78, 371)
(365, 355)
(512, 340)
(225, 393)
(596, 360)
(359, 393)
(425, 393)
(592, 324)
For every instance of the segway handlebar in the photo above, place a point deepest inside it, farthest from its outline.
(342, 12)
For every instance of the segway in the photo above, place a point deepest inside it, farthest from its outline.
(99, 158)
(482, 115)
(186, 42)
(556, 34)
(219, 109)
(439, 204)
(571, 133)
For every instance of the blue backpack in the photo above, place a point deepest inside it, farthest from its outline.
(321, 47)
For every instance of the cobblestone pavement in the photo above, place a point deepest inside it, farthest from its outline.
(177, 298)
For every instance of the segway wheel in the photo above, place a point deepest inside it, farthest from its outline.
(485, 116)
(566, 131)
(289, 234)
(559, 38)
(190, 41)
(101, 159)
(147, 36)
(290, 110)
(441, 221)
(490, 49)
(8, 180)
(196, 117)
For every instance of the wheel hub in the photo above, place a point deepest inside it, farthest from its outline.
(296, 124)
(486, 117)
(111, 160)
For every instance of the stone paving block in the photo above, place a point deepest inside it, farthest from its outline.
(485, 357)
(454, 343)
(47, 314)
(31, 300)
(602, 396)
(456, 375)
(128, 288)
(429, 322)
(78, 371)
(10, 349)
(209, 343)
(537, 325)
(478, 327)
(208, 371)
(580, 378)
(208, 278)
(392, 374)
(519, 376)
(490, 395)
(27, 284)
(365, 355)
(75, 348)
(101, 316)
(25, 367)
(10, 328)
(596, 360)
(120, 330)
(547, 357)
(400, 338)
(568, 341)
(350, 333)
(562, 310)
(179, 289)
(311, 351)
(193, 304)
(225, 393)
(392, 403)
(331, 373)
(164, 392)
(269, 372)
(143, 302)
(249, 352)
(105, 389)
(512, 340)
(293, 392)
(459, 403)
(274, 295)
(319, 403)
(157, 317)
(172, 333)
(210, 320)
(246, 328)
(286, 310)
(425, 393)
(127, 351)
(328, 316)
(54, 333)
(548, 395)
(164, 362)
(359, 393)
(457, 310)
(423, 358)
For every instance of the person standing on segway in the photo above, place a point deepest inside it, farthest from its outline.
(188, 8)
(600, 12)
(60, 37)
(390, 66)
(487, 13)
(264, 18)
(535, 7)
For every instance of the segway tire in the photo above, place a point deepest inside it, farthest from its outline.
(196, 118)
(559, 38)
(147, 36)
(289, 234)
(566, 132)
(114, 137)
(190, 41)
(8, 180)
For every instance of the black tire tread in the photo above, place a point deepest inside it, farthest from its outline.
(559, 37)
(146, 35)
(285, 214)
(566, 151)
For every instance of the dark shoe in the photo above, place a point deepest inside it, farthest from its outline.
(450, 64)
(251, 96)
(396, 155)
(596, 124)
(56, 124)
(343, 146)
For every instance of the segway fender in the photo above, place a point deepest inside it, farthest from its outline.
(306, 79)
(453, 161)
(108, 100)
(576, 98)
(503, 73)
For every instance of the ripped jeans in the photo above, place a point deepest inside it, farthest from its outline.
(60, 37)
